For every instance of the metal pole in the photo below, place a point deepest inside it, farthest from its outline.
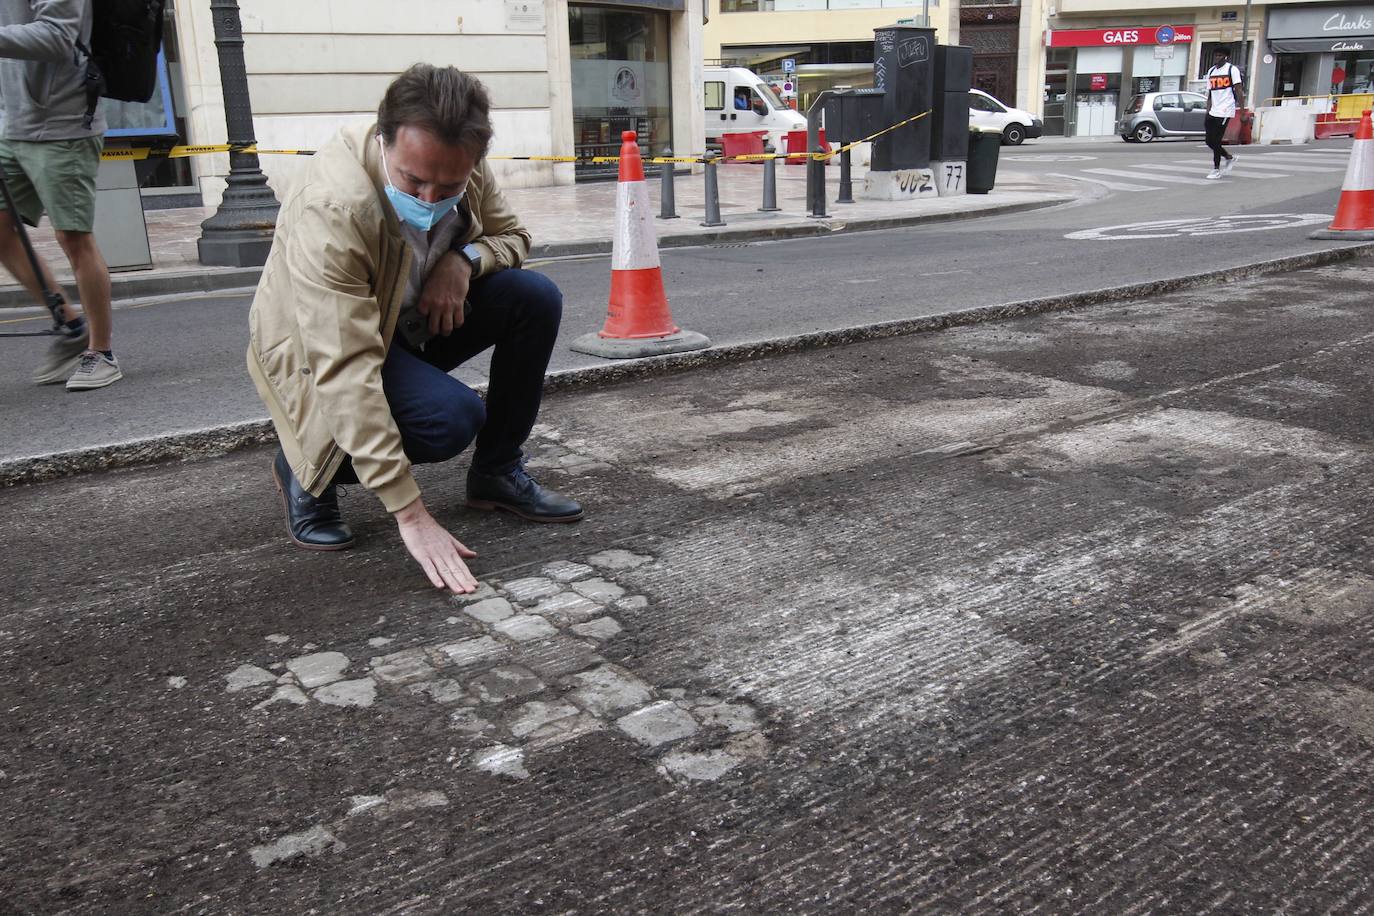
(240, 232)
(712, 194)
(770, 182)
(1248, 72)
(667, 201)
(846, 183)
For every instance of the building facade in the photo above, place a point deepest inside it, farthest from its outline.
(565, 79)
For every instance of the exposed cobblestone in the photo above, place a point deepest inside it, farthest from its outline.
(360, 693)
(557, 656)
(600, 628)
(490, 610)
(289, 694)
(598, 590)
(568, 607)
(318, 669)
(506, 683)
(403, 667)
(565, 571)
(658, 724)
(443, 690)
(526, 627)
(608, 690)
(468, 652)
(535, 714)
(698, 766)
(502, 761)
(246, 677)
(618, 560)
(530, 590)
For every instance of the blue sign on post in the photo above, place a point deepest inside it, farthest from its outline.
(1165, 35)
(789, 65)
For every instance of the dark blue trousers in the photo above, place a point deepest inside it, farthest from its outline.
(516, 312)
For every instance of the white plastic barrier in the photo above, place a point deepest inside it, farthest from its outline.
(1286, 124)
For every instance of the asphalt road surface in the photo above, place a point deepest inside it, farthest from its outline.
(184, 358)
(1066, 614)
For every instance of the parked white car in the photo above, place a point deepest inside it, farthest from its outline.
(1015, 125)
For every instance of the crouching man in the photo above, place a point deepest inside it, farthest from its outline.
(396, 258)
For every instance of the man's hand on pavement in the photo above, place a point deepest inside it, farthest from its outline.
(439, 553)
(441, 300)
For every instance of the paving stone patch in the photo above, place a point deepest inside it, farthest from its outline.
(484, 591)
(289, 694)
(278, 639)
(404, 667)
(530, 590)
(698, 766)
(600, 628)
(564, 571)
(658, 724)
(443, 690)
(397, 801)
(608, 689)
(563, 731)
(318, 669)
(314, 842)
(525, 627)
(557, 656)
(246, 677)
(359, 693)
(474, 651)
(506, 683)
(630, 603)
(490, 610)
(568, 607)
(470, 722)
(535, 714)
(598, 590)
(502, 761)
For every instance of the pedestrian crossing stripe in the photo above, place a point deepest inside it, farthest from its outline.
(1172, 179)
(1111, 185)
(1191, 168)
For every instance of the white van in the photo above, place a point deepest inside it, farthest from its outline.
(737, 101)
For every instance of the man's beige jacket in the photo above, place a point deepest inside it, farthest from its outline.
(325, 313)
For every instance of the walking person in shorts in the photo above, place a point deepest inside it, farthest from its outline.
(50, 154)
(1223, 99)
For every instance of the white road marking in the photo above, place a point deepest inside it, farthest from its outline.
(1249, 162)
(1172, 179)
(1198, 226)
(1113, 185)
(1192, 168)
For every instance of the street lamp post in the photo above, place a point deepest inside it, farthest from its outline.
(240, 232)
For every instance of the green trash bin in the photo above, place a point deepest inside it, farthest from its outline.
(983, 147)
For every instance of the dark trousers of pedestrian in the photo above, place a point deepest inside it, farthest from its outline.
(516, 312)
(1216, 129)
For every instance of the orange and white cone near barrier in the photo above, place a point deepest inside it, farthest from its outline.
(638, 321)
(1355, 212)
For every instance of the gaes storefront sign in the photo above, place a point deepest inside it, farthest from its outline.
(1098, 38)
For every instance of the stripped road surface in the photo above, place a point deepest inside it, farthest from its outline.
(1066, 614)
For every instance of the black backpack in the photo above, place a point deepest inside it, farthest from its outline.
(121, 63)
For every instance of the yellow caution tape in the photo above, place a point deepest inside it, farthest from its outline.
(141, 153)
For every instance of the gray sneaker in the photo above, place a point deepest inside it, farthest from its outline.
(62, 358)
(95, 371)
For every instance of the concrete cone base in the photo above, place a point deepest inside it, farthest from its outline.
(622, 348)
(1352, 235)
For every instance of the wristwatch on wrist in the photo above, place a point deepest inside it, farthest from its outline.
(474, 257)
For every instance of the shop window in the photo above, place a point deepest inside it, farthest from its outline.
(621, 80)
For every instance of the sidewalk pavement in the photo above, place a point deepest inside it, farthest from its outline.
(580, 219)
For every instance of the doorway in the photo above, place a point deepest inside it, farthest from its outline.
(1056, 102)
(1288, 82)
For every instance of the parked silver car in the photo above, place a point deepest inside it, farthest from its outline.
(1163, 114)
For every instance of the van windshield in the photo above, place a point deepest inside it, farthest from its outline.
(767, 92)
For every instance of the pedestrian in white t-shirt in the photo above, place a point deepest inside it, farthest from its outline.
(1223, 98)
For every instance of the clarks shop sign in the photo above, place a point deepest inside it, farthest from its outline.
(1329, 22)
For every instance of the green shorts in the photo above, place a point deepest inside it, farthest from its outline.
(53, 176)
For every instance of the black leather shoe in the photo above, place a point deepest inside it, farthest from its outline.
(519, 493)
(313, 522)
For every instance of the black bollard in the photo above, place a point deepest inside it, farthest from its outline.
(846, 182)
(770, 182)
(816, 186)
(667, 201)
(712, 194)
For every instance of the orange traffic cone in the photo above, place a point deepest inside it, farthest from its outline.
(638, 321)
(1355, 211)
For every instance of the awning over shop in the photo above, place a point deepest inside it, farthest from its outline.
(1322, 45)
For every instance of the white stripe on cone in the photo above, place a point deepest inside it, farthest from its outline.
(635, 246)
(1359, 175)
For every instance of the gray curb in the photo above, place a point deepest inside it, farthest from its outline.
(222, 279)
(217, 441)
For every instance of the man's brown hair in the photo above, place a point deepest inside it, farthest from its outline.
(444, 101)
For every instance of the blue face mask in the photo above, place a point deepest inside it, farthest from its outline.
(412, 210)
